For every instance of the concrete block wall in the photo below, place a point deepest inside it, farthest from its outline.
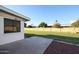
(71, 30)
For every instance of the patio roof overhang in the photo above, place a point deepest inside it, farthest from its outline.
(2, 8)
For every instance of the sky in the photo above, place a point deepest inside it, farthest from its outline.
(65, 14)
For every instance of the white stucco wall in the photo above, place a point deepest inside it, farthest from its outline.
(10, 37)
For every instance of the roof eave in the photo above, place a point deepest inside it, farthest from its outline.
(14, 13)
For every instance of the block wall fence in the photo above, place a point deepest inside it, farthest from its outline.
(71, 30)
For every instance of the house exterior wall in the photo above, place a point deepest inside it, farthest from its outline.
(10, 37)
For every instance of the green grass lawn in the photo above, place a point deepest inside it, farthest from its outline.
(67, 37)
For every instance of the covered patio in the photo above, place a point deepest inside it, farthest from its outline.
(32, 45)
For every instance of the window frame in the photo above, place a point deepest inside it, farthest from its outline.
(15, 24)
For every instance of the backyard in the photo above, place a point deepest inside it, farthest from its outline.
(59, 36)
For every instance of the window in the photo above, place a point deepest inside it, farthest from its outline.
(11, 25)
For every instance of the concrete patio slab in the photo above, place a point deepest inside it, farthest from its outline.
(32, 45)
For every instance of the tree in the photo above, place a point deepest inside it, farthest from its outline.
(29, 26)
(75, 24)
(57, 25)
(42, 24)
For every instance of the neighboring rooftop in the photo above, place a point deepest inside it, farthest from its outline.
(2, 8)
